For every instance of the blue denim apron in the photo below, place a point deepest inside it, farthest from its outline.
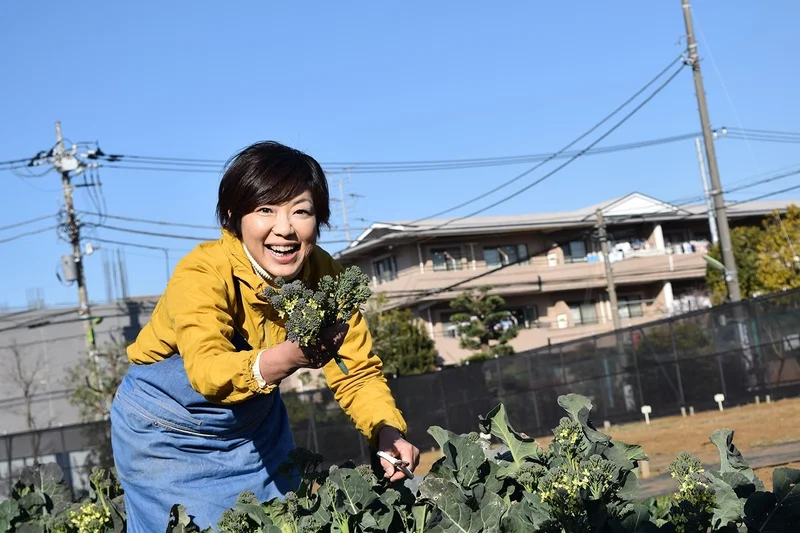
(172, 446)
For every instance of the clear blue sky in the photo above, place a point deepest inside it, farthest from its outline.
(370, 82)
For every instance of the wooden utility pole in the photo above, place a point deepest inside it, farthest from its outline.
(610, 287)
(65, 162)
(693, 60)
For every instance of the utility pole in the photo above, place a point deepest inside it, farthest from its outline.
(344, 211)
(693, 60)
(612, 290)
(712, 219)
(65, 162)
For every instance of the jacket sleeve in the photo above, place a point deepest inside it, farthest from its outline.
(364, 394)
(201, 310)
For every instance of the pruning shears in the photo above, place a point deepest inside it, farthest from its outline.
(397, 463)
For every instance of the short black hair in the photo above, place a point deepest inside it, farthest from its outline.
(268, 172)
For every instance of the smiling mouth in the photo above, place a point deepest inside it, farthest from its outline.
(283, 250)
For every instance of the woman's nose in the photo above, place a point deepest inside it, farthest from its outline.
(283, 226)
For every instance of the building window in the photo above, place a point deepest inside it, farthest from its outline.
(629, 308)
(385, 269)
(497, 256)
(449, 329)
(446, 259)
(575, 252)
(526, 317)
(583, 313)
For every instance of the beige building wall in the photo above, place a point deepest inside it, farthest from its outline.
(548, 282)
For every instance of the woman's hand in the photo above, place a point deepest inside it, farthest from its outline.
(330, 341)
(392, 442)
(283, 360)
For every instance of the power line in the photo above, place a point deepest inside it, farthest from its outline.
(765, 195)
(188, 237)
(156, 234)
(136, 245)
(26, 222)
(148, 221)
(569, 161)
(556, 154)
(26, 234)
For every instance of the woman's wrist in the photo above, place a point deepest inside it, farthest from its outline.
(279, 362)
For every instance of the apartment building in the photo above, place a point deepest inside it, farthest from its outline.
(548, 267)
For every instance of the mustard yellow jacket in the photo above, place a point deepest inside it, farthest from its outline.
(214, 292)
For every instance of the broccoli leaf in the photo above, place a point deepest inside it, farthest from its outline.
(779, 511)
(528, 515)
(729, 508)
(731, 459)
(9, 511)
(456, 516)
(520, 447)
(353, 493)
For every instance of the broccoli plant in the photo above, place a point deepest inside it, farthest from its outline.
(308, 311)
(583, 482)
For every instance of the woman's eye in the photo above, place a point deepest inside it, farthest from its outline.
(304, 212)
(264, 210)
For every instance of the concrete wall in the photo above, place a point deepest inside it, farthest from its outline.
(48, 342)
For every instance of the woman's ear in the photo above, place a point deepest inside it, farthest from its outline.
(229, 213)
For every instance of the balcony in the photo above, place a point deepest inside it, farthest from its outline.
(539, 277)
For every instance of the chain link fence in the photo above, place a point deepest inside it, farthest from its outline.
(740, 350)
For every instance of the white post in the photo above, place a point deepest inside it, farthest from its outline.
(646, 410)
(719, 398)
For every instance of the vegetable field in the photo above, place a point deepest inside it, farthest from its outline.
(758, 428)
(495, 479)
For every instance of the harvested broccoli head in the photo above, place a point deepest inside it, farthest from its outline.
(352, 291)
(307, 312)
(288, 297)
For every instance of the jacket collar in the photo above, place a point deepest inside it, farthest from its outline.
(243, 269)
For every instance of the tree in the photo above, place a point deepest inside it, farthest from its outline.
(482, 326)
(745, 240)
(400, 340)
(779, 251)
(24, 372)
(94, 381)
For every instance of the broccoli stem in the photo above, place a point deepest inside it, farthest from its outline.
(341, 365)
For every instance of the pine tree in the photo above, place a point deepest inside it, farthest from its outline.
(482, 326)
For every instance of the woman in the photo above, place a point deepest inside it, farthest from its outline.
(199, 416)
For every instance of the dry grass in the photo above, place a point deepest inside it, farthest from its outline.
(755, 426)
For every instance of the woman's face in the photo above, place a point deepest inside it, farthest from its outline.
(281, 237)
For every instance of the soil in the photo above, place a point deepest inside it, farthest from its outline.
(758, 429)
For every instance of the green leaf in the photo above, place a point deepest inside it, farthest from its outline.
(729, 508)
(777, 512)
(630, 487)
(30, 527)
(179, 521)
(633, 521)
(9, 511)
(530, 514)
(579, 407)
(464, 460)
(451, 502)
(377, 519)
(419, 513)
(440, 435)
(353, 493)
(731, 459)
(492, 509)
(520, 447)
